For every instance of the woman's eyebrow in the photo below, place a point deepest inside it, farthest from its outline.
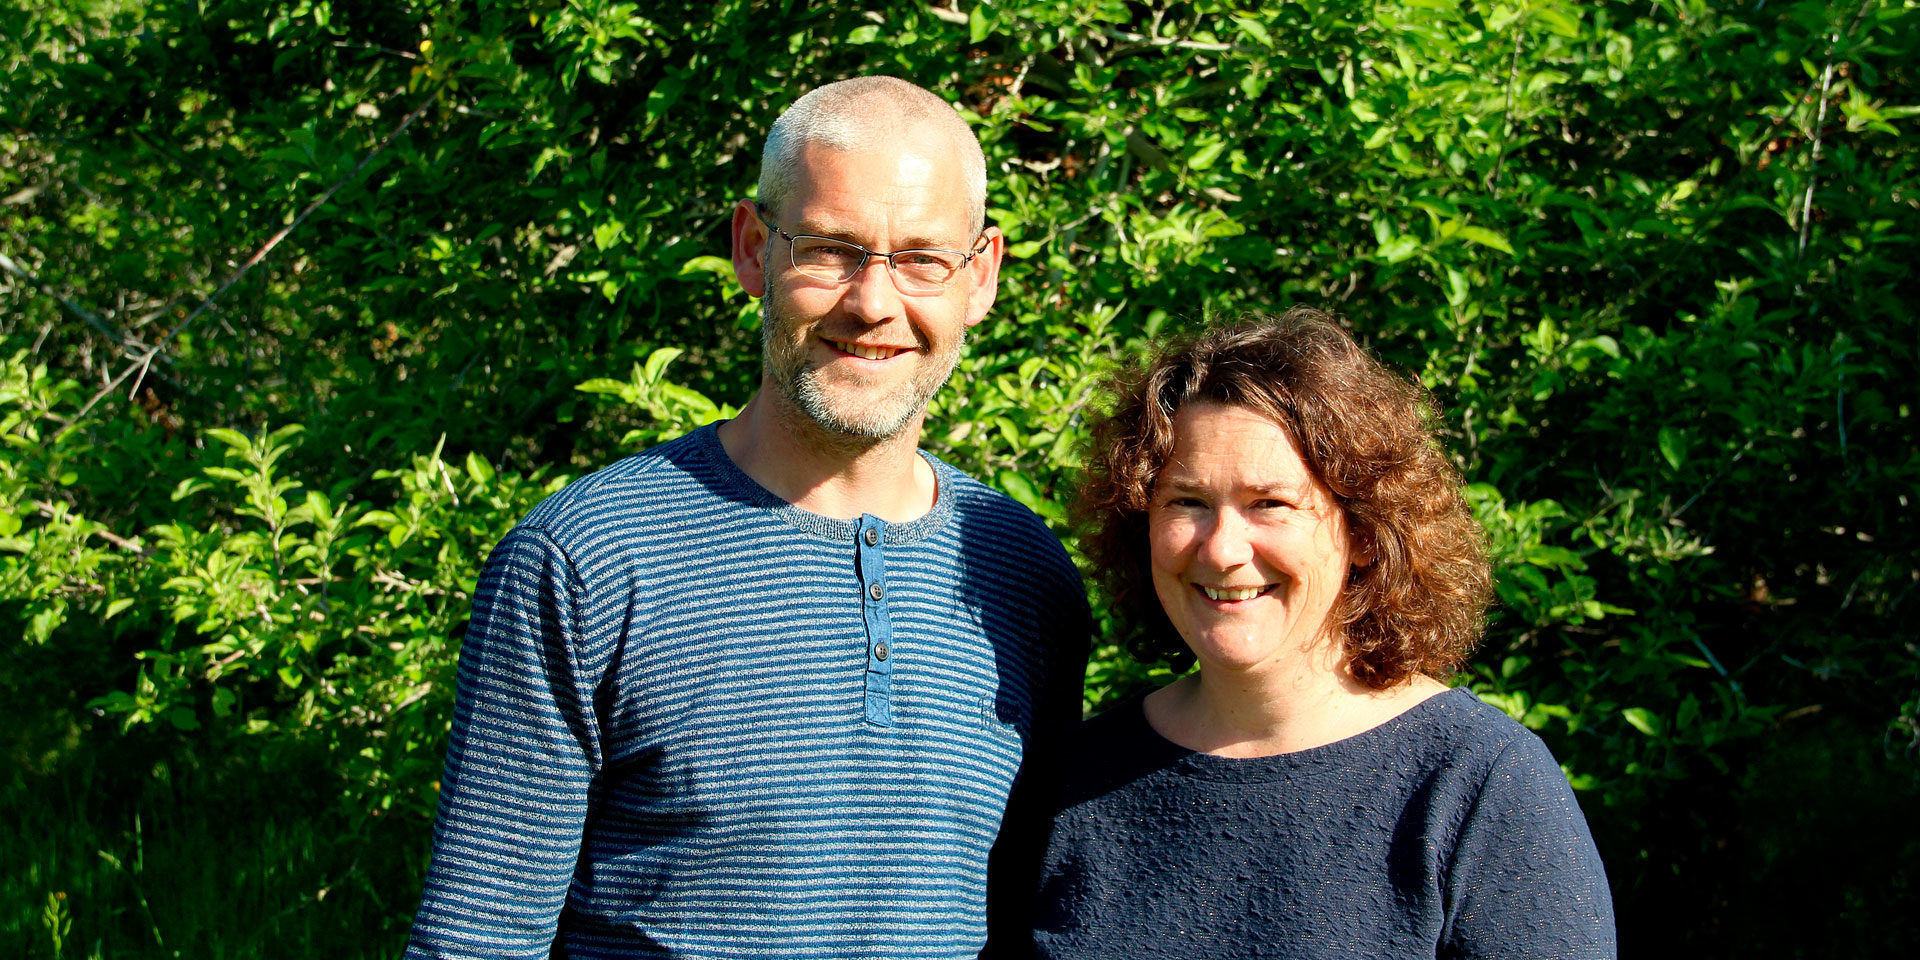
(1280, 488)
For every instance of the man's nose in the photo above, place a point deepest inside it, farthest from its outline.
(871, 294)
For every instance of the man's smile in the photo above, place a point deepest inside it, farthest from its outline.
(866, 351)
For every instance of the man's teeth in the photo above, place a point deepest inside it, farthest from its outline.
(1234, 593)
(866, 352)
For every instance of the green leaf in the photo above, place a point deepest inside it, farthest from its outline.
(232, 438)
(478, 468)
(979, 26)
(657, 362)
(607, 234)
(1025, 249)
(1643, 720)
(1255, 29)
(707, 263)
(663, 96)
(1485, 238)
(602, 385)
(1557, 21)
(1673, 446)
(1397, 249)
(116, 607)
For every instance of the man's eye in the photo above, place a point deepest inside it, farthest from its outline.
(825, 253)
(921, 259)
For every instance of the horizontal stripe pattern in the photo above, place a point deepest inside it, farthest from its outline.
(661, 747)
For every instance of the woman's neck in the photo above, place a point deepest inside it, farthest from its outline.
(1233, 714)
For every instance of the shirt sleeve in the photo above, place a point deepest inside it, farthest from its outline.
(1013, 865)
(1526, 880)
(522, 752)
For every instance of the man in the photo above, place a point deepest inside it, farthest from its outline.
(763, 691)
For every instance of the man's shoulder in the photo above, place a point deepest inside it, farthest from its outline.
(634, 491)
(974, 498)
(986, 517)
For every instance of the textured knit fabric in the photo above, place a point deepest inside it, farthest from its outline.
(1448, 831)
(696, 721)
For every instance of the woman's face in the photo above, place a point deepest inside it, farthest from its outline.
(1250, 550)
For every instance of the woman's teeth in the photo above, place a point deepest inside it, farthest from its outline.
(1233, 593)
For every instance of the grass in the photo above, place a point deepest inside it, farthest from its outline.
(138, 847)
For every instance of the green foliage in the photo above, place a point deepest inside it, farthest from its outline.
(1651, 258)
(52, 559)
(671, 409)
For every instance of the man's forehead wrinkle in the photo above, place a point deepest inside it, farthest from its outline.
(906, 197)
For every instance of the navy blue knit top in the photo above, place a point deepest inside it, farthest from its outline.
(696, 721)
(1448, 831)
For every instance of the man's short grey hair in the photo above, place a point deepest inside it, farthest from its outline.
(863, 113)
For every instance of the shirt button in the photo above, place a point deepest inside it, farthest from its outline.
(873, 536)
(875, 590)
(880, 651)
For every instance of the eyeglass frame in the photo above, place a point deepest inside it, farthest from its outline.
(867, 255)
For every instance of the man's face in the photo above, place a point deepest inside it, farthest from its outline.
(860, 358)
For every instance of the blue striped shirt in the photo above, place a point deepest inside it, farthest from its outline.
(696, 721)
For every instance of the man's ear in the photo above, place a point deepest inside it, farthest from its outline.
(750, 248)
(983, 275)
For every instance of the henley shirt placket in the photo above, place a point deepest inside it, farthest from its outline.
(869, 543)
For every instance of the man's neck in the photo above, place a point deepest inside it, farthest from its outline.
(828, 474)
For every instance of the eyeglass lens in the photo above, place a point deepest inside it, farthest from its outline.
(919, 270)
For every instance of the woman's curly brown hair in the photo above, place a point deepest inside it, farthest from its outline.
(1366, 433)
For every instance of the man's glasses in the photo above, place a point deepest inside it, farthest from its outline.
(921, 271)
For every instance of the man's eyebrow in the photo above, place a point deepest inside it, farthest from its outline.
(814, 228)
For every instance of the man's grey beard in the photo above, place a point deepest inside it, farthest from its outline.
(883, 419)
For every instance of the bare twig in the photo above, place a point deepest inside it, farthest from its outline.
(1820, 122)
(1020, 78)
(48, 510)
(1506, 123)
(93, 320)
(140, 363)
(362, 45)
(949, 14)
(1175, 42)
(388, 578)
(1813, 163)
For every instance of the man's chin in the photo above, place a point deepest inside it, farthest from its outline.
(852, 415)
(867, 423)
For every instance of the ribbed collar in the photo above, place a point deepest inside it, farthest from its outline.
(729, 475)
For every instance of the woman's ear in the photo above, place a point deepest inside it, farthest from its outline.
(1360, 547)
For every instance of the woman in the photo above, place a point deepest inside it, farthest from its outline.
(1275, 499)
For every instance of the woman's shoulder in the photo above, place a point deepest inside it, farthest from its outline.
(1112, 749)
(1460, 717)
(1459, 746)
